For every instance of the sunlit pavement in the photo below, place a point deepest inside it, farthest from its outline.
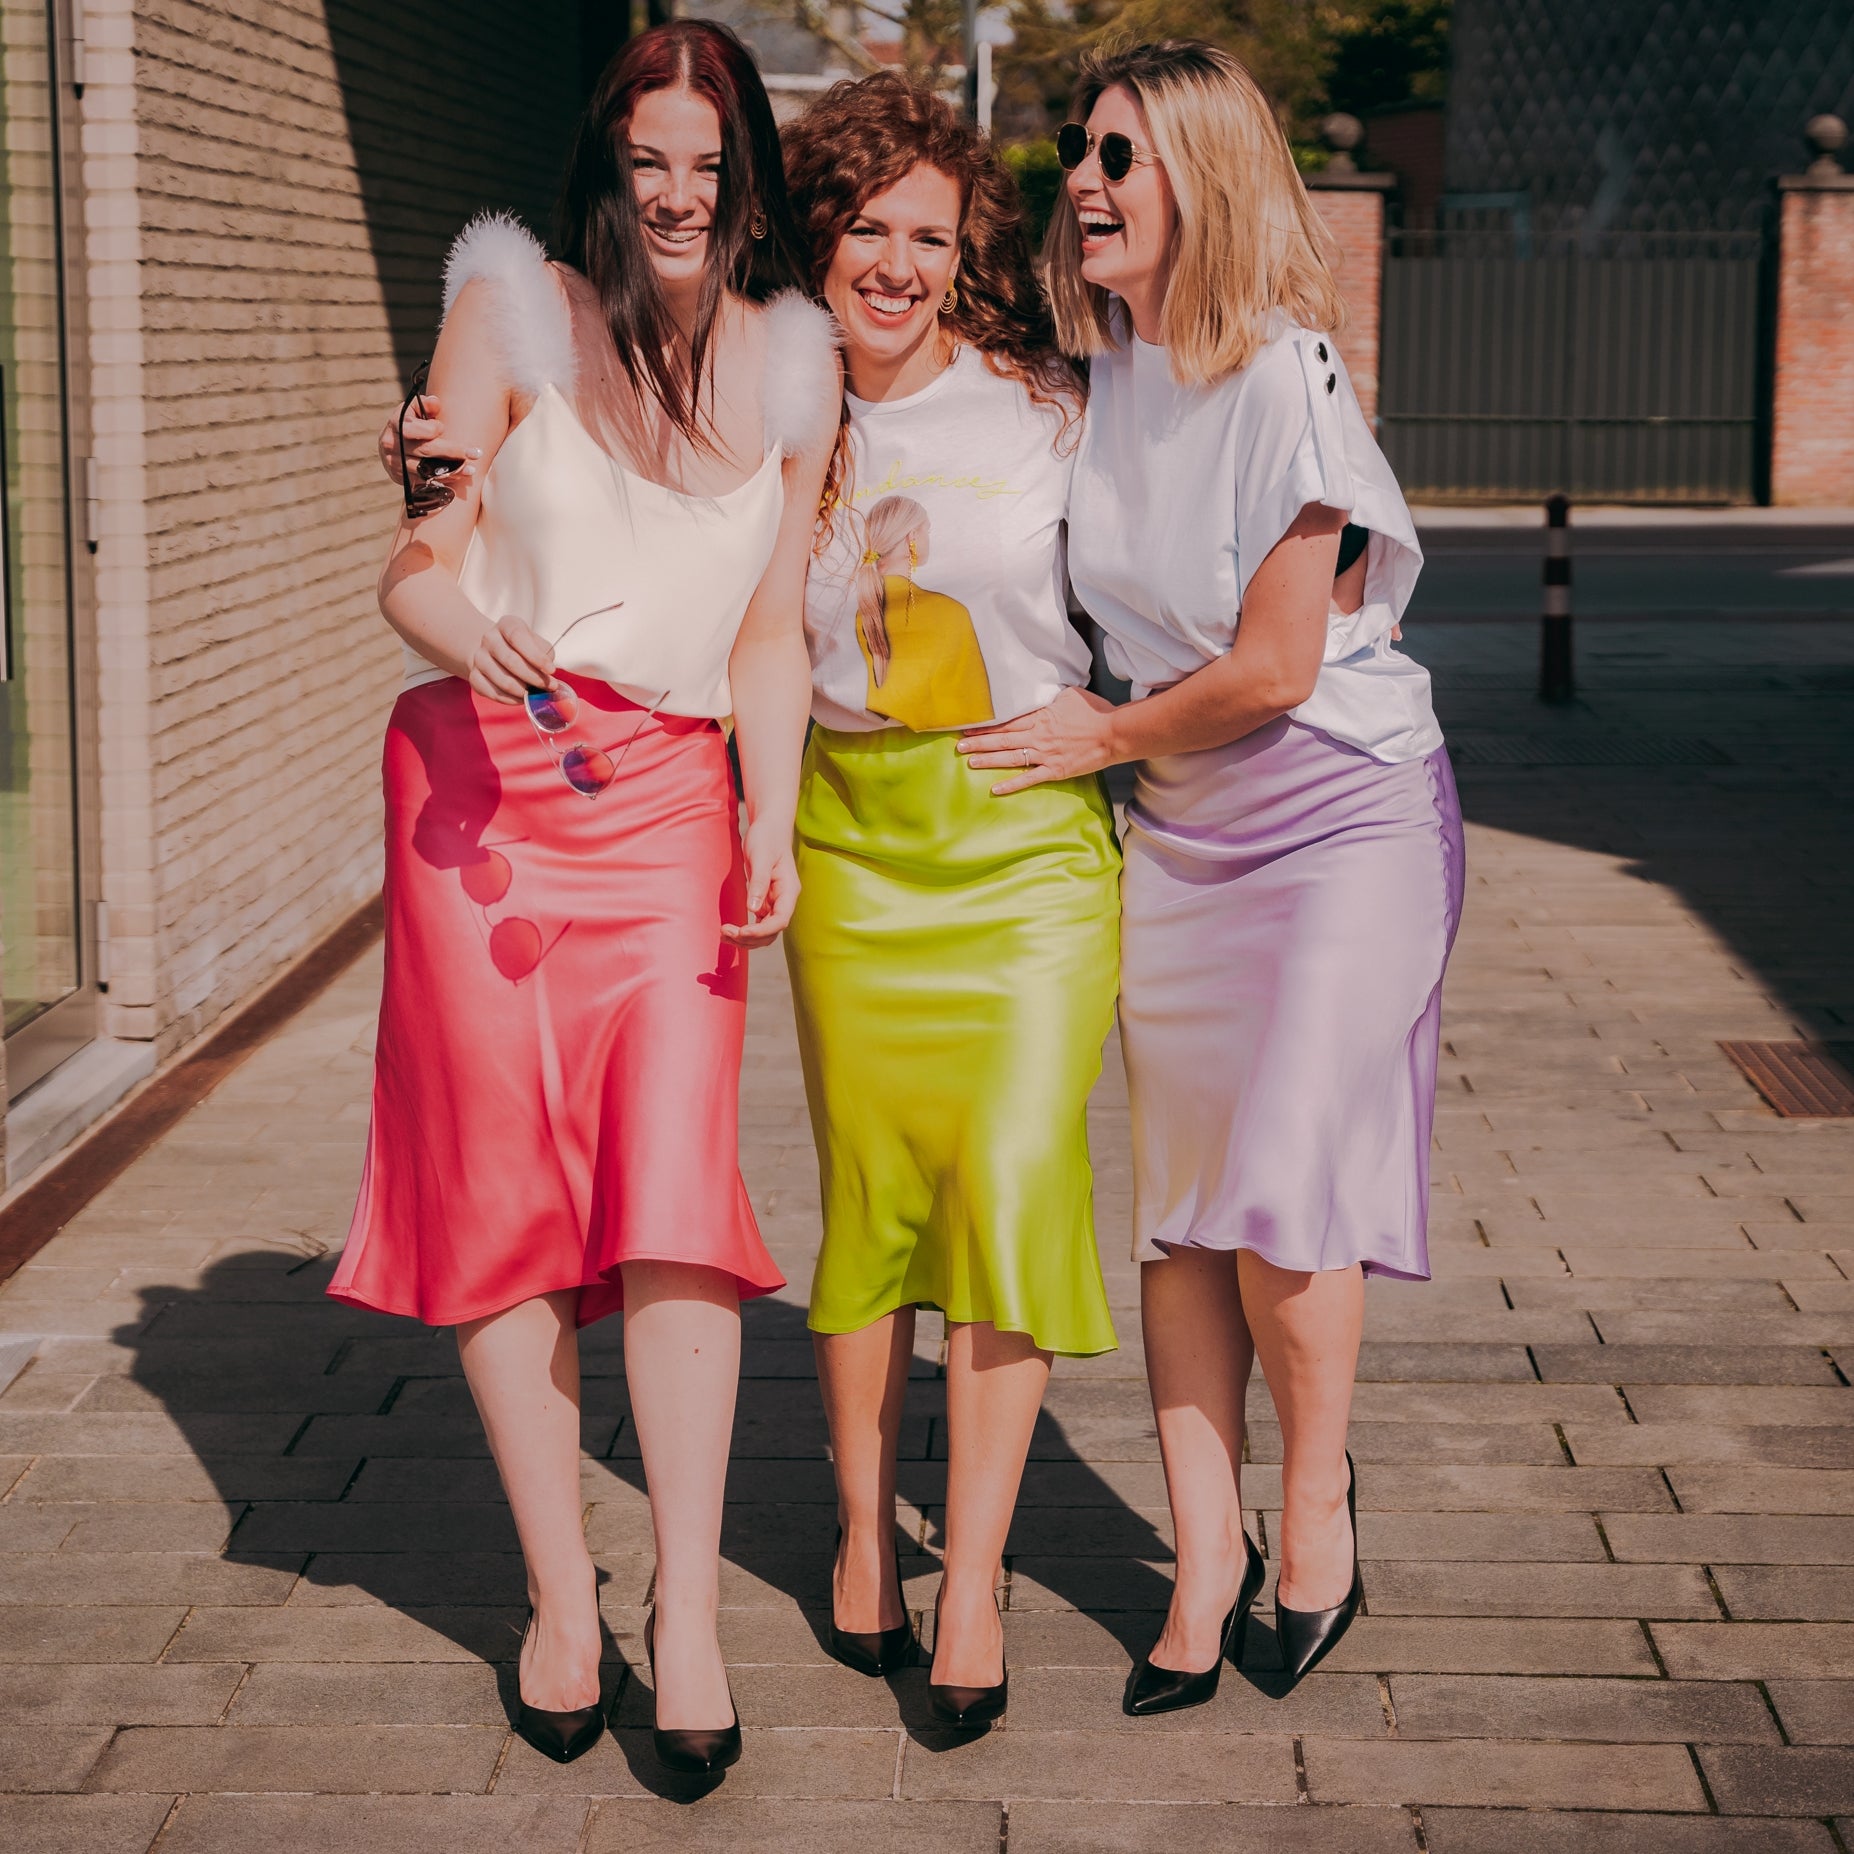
(260, 1591)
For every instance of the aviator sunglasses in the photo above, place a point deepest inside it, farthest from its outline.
(1075, 141)
(422, 479)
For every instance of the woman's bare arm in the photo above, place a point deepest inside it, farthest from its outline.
(1270, 669)
(420, 598)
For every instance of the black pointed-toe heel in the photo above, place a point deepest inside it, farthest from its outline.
(562, 1736)
(874, 1652)
(966, 1708)
(698, 1751)
(1153, 1689)
(1308, 1636)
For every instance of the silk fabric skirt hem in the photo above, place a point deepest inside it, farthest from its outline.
(953, 961)
(556, 1081)
(1290, 904)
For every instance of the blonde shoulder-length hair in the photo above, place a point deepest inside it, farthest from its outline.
(1249, 243)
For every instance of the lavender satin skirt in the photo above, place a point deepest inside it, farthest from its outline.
(1288, 908)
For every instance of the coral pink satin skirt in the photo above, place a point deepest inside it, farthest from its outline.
(557, 1079)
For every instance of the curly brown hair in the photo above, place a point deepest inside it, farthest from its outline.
(859, 139)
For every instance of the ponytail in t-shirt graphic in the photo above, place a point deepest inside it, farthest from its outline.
(925, 667)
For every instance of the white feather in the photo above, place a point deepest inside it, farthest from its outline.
(530, 315)
(803, 396)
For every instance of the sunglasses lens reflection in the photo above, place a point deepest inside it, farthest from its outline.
(587, 769)
(1116, 157)
(553, 711)
(1071, 145)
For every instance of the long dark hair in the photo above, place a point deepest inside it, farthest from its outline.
(599, 229)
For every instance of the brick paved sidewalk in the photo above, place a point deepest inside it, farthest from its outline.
(257, 1589)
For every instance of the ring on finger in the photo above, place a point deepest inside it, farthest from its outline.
(1025, 751)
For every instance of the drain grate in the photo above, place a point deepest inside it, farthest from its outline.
(1802, 1081)
(1474, 749)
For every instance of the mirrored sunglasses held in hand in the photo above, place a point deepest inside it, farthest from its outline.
(422, 479)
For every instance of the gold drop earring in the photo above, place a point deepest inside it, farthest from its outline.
(950, 301)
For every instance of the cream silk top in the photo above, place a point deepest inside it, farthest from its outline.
(635, 583)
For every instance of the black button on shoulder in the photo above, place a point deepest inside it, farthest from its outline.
(1332, 380)
(1321, 350)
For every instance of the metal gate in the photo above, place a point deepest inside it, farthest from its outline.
(1622, 367)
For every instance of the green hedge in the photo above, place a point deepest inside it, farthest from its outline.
(1039, 180)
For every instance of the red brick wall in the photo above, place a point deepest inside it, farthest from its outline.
(1355, 217)
(1812, 418)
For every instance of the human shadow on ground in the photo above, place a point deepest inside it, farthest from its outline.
(345, 1447)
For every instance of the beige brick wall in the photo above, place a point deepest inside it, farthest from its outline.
(1812, 414)
(270, 185)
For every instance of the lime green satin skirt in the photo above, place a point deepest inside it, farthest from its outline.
(955, 959)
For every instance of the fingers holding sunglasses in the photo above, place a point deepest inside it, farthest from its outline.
(511, 658)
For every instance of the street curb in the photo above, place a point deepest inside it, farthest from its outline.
(33, 1215)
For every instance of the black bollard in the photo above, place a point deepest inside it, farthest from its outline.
(1557, 681)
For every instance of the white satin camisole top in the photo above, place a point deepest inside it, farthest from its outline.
(635, 583)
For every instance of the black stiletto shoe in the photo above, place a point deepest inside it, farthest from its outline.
(562, 1736)
(874, 1652)
(1308, 1636)
(694, 1751)
(1153, 1689)
(966, 1708)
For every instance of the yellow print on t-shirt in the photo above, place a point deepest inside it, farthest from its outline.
(925, 666)
(986, 488)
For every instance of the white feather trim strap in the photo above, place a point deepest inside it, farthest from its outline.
(531, 318)
(803, 395)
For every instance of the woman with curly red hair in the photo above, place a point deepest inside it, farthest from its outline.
(954, 955)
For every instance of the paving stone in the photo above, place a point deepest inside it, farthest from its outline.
(1502, 1773)
(166, 1478)
(1756, 1650)
(1051, 1699)
(822, 1766)
(346, 1694)
(1510, 1831)
(1206, 1828)
(116, 1694)
(1729, 1538)
(52, 1758)
(376, 1825)
(1815, 1712)
(1171, 1766)
(721, 1824)
(1667, 1443)
(81, 1824)
(105, 1579)
(294, 1634)
(1764, 1490)
(1560, 1489)
(1477, 1645)
(1738, 1404)
(1787, 1593)
(343, 1760)
(1452, 1589)
(30, 1634)
(1683, 1364)
(146, 1526)
(1804, 1780)
(1601, 1711)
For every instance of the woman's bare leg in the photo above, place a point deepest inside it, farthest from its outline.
(994, 1389)
(1198, 1357)
(864, 1380)
(522, 1366)
(682, 1363)
(1307, 1328)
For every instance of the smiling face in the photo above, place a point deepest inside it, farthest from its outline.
(674, 143)
(1128, 226)
(890, 271)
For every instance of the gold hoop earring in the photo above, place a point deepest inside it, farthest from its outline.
(756, 225)
(950, 301)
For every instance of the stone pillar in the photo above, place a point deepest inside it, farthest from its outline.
(1812, 409)
(1352, 204)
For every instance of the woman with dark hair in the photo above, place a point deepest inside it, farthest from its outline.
(953, 956)
(569, 902)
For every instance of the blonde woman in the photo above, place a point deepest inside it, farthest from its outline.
(1294, 861)
(926, 669)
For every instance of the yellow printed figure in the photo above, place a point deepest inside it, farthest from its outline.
(925, 667)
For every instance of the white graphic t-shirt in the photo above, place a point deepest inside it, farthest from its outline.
(939, 602)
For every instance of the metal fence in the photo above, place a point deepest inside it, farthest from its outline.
(1619, 366)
